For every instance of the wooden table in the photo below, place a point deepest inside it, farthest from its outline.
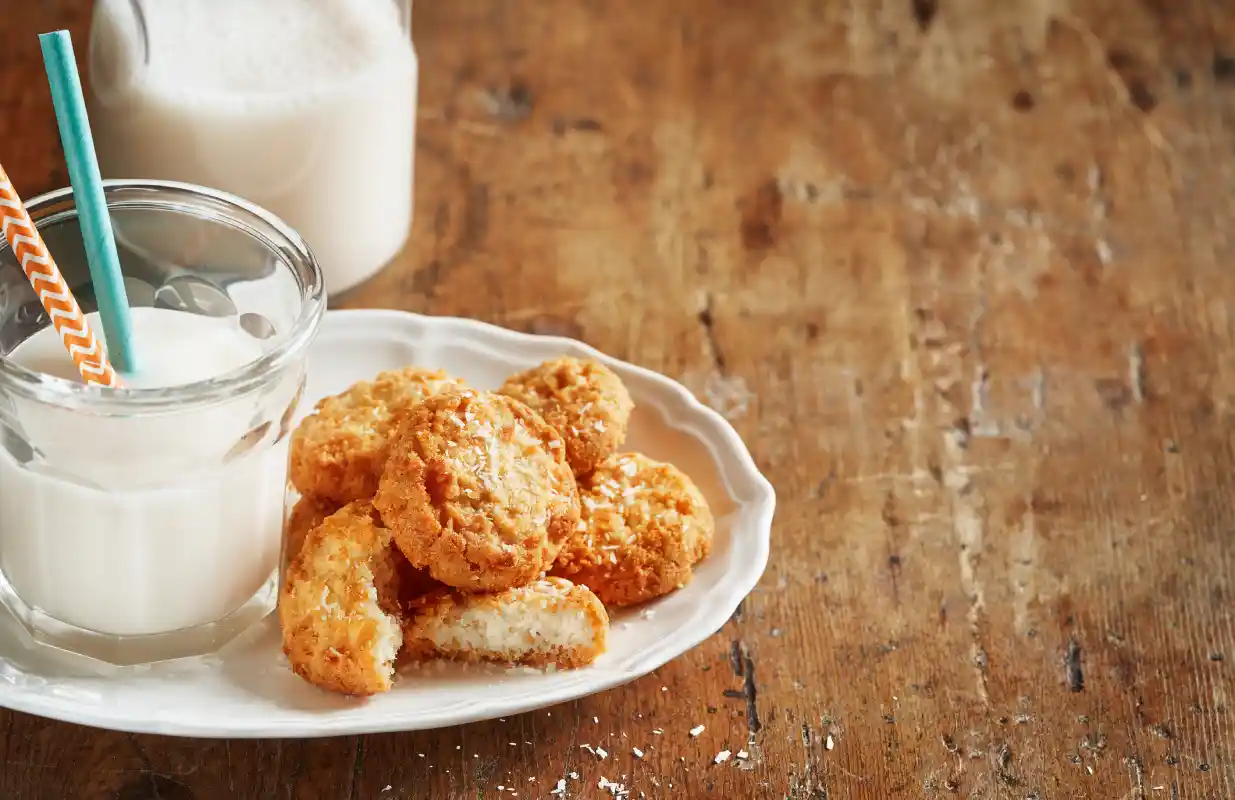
(961, 278)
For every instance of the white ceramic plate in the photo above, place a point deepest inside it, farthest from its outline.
(246, 690)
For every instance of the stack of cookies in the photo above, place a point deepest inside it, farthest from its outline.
(441, 521)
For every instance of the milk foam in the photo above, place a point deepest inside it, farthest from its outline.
(239, 48)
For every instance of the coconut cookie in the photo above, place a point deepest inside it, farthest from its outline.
(477, 491)
(585, 400)
(644, 526)
(338, 452)
(548, 622)
(339, 606)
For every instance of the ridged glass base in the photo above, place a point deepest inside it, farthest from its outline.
(127, 651)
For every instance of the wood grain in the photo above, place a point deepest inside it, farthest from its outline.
(958, 272)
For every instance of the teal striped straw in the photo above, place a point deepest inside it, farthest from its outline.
(92, 215)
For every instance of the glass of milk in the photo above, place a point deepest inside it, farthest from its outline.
(304, 107)
(145, 523)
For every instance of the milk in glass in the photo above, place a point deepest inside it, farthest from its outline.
(305, 107)
(120, 529)
(144, 523)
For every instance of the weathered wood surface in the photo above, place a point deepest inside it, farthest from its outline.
(959, 272)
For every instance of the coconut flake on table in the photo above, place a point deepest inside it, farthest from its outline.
(721, 757)
(695, 731)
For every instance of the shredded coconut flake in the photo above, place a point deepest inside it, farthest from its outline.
(830, 743)
(560, 788)
(600, 751)
(721, 757)
(742, 754)
(614, 789)
(695, 731)
(638, 753)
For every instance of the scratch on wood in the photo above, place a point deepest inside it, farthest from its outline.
(708, 321)
(981, 425)
(809, 785)
(1003, 760)
(141, 751)
(1138, 777)
(753, 725)
(968, 526)
(744, 667)
(1037, 391)
(982, 422)
(857, 416)
(1072, 662)
(148, 768)
(1136, 372)
(1096, 181)
(969, 531)
(894, 569)
(357, 766)
(1024, 568)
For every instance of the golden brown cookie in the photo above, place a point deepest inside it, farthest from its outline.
(548, 622)
(339, 606)
(338, 452)
(306, 515)
(310, 512)
(477, 490)
(585, 400)
(644, 526)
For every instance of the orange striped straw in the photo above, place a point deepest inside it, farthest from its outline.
(53, 292)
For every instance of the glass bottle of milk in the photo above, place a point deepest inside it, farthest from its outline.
(304, 107)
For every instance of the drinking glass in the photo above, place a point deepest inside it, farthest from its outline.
(139, 525)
